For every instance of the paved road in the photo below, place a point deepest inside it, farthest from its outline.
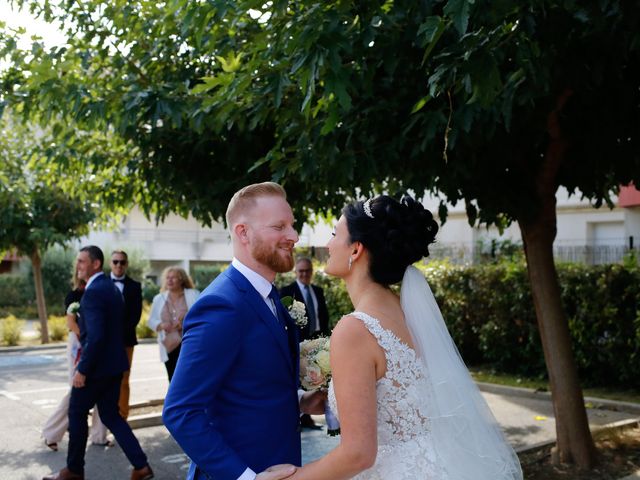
(33, 381)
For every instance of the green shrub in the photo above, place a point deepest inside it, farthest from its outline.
(15, 291)
(149, 290)
(203, 275)
(58, 328)
(11, 330)
(142, 329)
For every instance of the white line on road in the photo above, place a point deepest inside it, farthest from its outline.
(12, 395)
(9, 395)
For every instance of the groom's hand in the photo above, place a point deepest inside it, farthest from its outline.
(277, 472)
(313, 402)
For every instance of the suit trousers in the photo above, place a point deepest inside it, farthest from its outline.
(58, 422)
(104, 393)
(123, 402)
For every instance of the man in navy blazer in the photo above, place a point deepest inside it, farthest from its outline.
(99, 371)
(233, 403)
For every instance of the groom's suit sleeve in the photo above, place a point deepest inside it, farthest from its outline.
(210, 346)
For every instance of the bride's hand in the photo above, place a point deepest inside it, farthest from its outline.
(277, 472)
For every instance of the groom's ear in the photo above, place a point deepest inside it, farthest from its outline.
(240, 230)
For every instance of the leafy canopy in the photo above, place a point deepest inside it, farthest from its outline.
(337, 99)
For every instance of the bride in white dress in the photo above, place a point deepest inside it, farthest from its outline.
(407, 406)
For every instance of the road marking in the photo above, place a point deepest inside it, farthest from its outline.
(54, 389)
(9, 395)
(176, 458)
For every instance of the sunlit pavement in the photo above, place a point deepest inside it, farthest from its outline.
(32, 381)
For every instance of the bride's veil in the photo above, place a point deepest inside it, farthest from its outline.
(466, 436)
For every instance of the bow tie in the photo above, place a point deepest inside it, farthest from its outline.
(121, 280)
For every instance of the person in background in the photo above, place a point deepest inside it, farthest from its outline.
(168, 309)
(132, 294)
(99, 371)
(312, 296)
(57, 424)
(317, 314)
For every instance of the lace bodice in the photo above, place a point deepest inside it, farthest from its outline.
(401, 394)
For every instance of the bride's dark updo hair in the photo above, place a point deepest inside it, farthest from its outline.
(398, 235)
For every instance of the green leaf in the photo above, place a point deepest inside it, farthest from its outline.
(458, 11)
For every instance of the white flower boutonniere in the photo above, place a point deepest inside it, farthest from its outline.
(73, 308)
(297, 310)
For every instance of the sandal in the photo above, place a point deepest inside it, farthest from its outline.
(53, 445)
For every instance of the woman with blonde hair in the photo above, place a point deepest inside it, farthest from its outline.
(168, 309)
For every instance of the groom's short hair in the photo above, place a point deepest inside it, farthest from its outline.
(245, 198)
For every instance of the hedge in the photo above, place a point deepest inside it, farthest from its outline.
(490, 314)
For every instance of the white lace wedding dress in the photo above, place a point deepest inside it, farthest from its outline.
(405, 446)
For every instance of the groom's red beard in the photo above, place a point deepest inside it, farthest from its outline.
(275, 258)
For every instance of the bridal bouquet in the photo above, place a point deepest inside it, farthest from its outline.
(315, 372)
(315, 369)
(73, 308)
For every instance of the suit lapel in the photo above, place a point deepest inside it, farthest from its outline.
(264, 313)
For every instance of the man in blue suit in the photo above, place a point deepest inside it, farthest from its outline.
(233, 403)
(99, 371)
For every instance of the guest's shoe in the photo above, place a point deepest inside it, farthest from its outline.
(144, 473)
(106, 444)
(65, 474)
(307, 422)
(52, 445)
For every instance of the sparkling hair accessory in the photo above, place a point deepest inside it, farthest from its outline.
(367, 208)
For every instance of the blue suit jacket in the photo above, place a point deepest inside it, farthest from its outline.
(232, 402)
(100, 320)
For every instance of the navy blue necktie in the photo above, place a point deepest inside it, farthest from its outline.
(273, 295)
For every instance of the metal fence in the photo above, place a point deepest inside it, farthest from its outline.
(464, 254)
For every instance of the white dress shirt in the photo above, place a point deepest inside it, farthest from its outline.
(263, 287)
(93, 277)
(120, 285)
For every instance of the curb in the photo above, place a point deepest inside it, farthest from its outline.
(596, 403)
(56, 346)
(610, 427)
(146, 419)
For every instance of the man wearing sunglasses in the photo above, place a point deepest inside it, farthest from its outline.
(132, 294)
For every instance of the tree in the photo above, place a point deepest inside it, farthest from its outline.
(36, 213)
(494, 103)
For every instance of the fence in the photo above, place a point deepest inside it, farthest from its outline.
(464, 254)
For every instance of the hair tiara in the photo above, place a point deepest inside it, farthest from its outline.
(367, 208)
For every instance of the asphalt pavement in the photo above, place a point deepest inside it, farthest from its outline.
(32, 381)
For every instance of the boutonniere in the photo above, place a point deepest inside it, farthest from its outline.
(297, 310)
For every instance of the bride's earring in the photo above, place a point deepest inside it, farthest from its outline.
(350, 262)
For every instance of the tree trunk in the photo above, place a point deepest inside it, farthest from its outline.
(574, 441)
(36, 263)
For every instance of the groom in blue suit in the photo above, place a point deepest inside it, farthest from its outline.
(233, 404)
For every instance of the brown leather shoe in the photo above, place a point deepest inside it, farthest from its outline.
(65, 474)
(144, 473)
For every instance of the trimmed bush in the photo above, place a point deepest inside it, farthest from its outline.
(58, 328)
(11, 330)
(142, 329)
(203, 275)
